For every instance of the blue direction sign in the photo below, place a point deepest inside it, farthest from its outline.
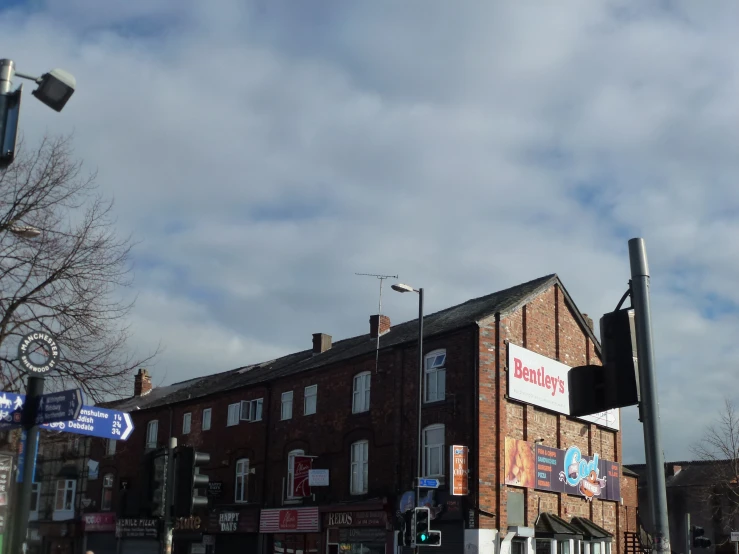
(11, 408)
(96, 422)
(427, 483)
(59, 406)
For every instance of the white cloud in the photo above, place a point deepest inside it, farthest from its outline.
(265, 152)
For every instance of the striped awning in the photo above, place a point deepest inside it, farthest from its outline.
(290, 520)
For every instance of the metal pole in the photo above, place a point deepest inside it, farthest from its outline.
(169, 496)
(656, 489)
(687, 534)
(420, 391)
(7, 71)
(34, 389)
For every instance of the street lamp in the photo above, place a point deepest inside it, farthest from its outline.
(400, 287)
(55, 88)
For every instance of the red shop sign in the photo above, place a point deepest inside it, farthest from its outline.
(296, 519)
(102, 522)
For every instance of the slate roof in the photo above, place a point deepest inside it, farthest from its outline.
(453, 318)
(549, 525)
(626, 471)
(589, 530)
(694, 473)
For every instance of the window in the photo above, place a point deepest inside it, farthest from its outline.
(110, 447)
(287, 405)
(435, 376)
(291, 471)
(233, 415)
(251, 410)
(433, 451)
(311, 395)
(33, 515)
(361, 397)
(107, 500)
(206, 419)
(152, 430)
(186, 420)
(64, 499)
(359, 467)
(242, 480)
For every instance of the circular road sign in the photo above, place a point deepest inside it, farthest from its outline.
(38, 353)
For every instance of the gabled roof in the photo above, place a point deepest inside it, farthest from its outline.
(550, 525)
(695, 473)
(589, 530)
(475, 311)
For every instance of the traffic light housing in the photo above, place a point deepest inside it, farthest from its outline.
(188, 481)
(615, 384)
(405, 537)
(697, 538)
(423, 535)
(158, 484)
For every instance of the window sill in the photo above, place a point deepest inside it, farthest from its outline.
(433, 403)
(360, 413)
(62, 515)
(293, 501)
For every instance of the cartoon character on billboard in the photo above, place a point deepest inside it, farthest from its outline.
(581, 474)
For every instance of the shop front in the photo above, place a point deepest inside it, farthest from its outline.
(234, 530)
(60, 537)
(358, 529)
(138, 535)
(292, 531)
(99, 530)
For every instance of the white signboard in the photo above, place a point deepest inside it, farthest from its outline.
(538, 380)
(735, 536)
(318, 478)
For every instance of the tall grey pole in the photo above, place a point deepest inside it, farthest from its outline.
(420, 396)
(7, 72)
(686, 535)
(22, 504)
(657, 492)
(169, 496)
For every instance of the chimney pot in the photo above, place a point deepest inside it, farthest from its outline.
(588, 320)
(142, 383)
(379, 325)
(321, 343)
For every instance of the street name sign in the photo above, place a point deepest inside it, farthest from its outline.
(735, 536)
(59, 406)
(426, 483)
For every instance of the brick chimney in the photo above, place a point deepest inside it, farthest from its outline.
(142, 383)
(381, 321)
(588, 320)
(321, 343)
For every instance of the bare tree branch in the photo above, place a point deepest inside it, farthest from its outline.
(68, 280)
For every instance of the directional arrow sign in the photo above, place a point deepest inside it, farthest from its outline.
(97, 422)
(59, 406)
(427, 483)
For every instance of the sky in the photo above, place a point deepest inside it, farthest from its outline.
(263, 152)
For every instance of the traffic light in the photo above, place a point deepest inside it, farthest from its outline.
(406, 529)
(615, 384)
(10, 105)
(423, 535)
(158, 482)
(188, 480)
(698, 540)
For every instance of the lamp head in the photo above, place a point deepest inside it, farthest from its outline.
(55, 88)
(400, 287)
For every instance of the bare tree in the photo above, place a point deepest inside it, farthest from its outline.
(68, 280)
(719, 445)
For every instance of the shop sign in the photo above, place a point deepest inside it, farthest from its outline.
(6, 466)
(233, 521)
(301, 476)
(355, 519)
(101, 523)
(318, 478)
(352, 535)
(541, 381)
(297, 520)
(192, 523)
(137, 528)
(215, 489)
(460, 474)
(566, 471)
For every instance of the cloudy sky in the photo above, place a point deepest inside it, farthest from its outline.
(263, 152)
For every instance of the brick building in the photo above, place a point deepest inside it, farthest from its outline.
(494, 383)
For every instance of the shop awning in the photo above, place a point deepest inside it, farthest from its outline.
(591, 531)
(550, 526)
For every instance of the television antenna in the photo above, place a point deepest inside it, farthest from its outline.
(379, 311)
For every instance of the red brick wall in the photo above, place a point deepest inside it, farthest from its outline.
(545, 325)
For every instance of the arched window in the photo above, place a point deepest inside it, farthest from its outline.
(358, 469)
(291, 471)
(106, 502)
(361, 396)
(435, 375)
(242, 480)
(433, 451)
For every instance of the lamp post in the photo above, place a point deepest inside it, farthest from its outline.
(55, 88)
(400, 287)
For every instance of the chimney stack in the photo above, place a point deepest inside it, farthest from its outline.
(588, 320)
(379, 325)
(142, 383)
(321, 343)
